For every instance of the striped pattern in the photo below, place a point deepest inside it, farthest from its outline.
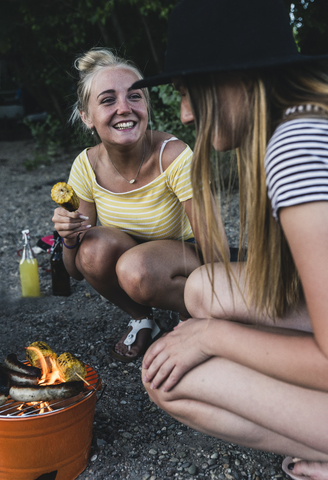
(151, 212)
(296, 163)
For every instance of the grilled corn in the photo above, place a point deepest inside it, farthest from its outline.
(71, 367)
(64, 195)
(33, 355)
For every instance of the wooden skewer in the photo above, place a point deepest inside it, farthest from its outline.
(87, 383)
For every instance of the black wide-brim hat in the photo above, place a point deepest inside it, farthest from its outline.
(209, 36)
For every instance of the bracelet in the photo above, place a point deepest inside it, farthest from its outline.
(75, 245)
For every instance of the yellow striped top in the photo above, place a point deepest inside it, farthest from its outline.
(151, 212)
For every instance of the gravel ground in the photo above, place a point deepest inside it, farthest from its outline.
(132, 438)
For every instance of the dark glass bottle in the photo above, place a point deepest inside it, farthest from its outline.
(60, 277)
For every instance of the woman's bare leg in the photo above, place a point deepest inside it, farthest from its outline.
(136, 277)
(239, 405)
(96, 260)
(198, 300)
(155, 273)
(230, 304)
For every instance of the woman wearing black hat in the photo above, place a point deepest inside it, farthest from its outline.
(251, 367)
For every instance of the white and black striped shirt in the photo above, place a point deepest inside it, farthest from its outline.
(296, 163)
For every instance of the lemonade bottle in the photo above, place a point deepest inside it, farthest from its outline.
(28, 269)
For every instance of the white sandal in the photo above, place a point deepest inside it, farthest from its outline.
(137, 325)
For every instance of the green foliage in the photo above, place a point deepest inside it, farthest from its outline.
(51, 137)
(309, 22)
(41, 39)
(166, 114)
(37, 160)
(47, 134)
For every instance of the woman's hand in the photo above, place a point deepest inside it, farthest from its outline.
(68, 224)
(173, 355)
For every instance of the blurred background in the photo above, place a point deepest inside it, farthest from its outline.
(40, 39)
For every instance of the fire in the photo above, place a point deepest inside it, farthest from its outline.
(42, 406)
(51, 373)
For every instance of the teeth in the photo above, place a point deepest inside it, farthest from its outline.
(123, 125)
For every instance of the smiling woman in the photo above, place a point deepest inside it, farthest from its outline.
(136, 183)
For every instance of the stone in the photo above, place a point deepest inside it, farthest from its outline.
(192, 469)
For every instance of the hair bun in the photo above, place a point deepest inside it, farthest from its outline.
(93, 59)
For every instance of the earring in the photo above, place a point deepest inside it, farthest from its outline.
(92, 131)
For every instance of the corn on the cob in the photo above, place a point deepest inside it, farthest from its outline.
(33, 356)
(64, 195)
(71, 367)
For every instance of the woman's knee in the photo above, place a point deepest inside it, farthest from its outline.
(98, 252)
(194, 294)
(160, 398)
(218, 298)
(137, 277)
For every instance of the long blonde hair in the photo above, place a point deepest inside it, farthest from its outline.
(272, 281)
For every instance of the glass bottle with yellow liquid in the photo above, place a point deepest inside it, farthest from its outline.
(28, 269)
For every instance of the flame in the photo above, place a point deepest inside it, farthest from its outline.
(45, 406)
(51, 372)
(42, 406)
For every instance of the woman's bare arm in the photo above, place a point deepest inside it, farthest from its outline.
(69, 225)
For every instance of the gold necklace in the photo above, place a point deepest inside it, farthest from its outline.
(142, 159)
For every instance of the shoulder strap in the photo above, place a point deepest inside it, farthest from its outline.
(162, 149)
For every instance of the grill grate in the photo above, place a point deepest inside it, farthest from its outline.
(18, 410)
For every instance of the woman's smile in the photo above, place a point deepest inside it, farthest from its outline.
(124, 125)
(115, 108)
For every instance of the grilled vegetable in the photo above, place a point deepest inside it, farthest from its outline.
(13, 363)
(72, 368)
(44, 394)
(64, 195)
(19, 378)
(33, 357)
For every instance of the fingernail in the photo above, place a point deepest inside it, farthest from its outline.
(84, 217)
(145, 380)
(152, 386)
(291, 466)
(88, 226)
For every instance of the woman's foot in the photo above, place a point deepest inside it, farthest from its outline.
(303, 470)
(135, 341)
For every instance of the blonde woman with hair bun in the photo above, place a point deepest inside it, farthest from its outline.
(251, 365)
(134, 238)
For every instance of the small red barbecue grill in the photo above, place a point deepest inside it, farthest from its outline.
(36, 442)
